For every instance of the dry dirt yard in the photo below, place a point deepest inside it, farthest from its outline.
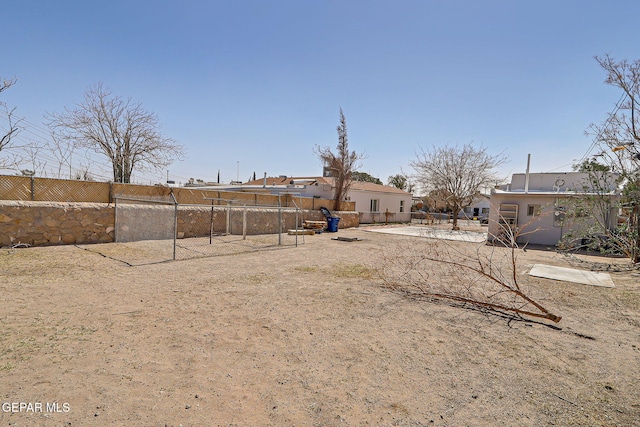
(302, 336)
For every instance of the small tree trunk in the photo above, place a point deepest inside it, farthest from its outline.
(337, 198)
(635, 257)
(456, 211)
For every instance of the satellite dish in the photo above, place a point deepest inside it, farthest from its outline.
(559, 183)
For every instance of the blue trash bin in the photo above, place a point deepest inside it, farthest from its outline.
(332, 224)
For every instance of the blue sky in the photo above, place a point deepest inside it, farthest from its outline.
(253, 85)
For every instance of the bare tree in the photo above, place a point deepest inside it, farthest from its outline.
(619, 135)
(12, 124)
(457, 171)
(119, 129)
(619, 139)
(341, 165)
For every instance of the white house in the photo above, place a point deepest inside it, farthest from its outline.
(373, 202)
(536, 203)
(380, 203)
(479, 207)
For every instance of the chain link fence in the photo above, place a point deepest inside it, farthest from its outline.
(149, 230)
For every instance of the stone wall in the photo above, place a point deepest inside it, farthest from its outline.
(52, 223)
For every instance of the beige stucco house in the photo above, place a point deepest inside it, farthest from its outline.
(535, 205)
(373, 202)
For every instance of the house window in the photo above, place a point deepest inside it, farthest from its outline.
(401, 205)
(374, 205)
(533, 210)
(485, 211)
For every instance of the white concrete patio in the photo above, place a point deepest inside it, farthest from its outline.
(431, 233)
(583, 277)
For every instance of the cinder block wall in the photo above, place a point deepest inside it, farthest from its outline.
(53, 223)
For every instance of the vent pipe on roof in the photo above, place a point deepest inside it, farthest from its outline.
(526, 176)
(264, 182)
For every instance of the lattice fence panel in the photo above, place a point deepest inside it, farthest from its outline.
(140, 191)
(15, 187)
(64, 190)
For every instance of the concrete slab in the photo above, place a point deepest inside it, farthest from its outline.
(583, 277)
(432, 233)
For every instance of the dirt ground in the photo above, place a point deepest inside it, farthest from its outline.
(302, 336)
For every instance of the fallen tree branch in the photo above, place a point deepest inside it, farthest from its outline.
(485, 276)
(544, 315)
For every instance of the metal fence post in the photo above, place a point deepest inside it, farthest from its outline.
(211, 224)
(115, 221)
(244, 223)
(175, 224)
(297, 226)
(279, 221)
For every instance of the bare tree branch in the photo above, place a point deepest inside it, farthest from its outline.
(12, 125)
(32, 154)
(11, 130)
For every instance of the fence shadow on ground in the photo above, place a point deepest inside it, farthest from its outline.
(158, 251)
